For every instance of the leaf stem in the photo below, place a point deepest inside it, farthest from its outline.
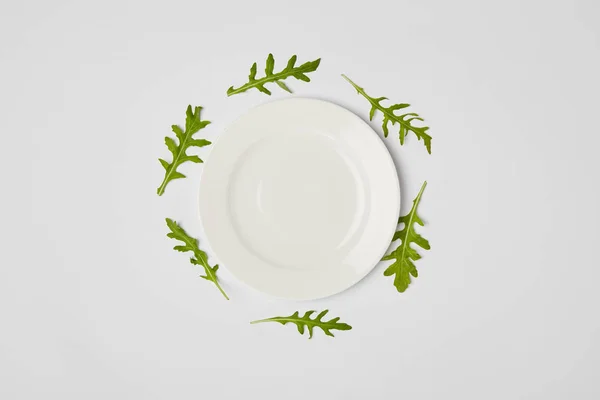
(209, 272)
(221, 289)
(258, 321)
(275, 319)
(391, 116)
(163, 185)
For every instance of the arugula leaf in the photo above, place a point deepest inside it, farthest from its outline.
(290, 70)
(404, 120)
(305, 320)
(192, 125)
(199, 258)
(404, 255)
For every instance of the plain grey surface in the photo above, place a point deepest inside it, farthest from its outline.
(94, 304)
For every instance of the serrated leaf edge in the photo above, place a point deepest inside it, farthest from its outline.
(191, 244)
(400, 253)
(193, 125)
(305, 321)
(404, 121)
(289, 71)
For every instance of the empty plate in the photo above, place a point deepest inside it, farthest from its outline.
(299, 198)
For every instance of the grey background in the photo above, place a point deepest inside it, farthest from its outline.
(94, 303)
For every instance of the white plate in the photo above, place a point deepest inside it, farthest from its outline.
(299, 198)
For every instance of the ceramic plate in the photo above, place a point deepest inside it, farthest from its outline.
(299, 198)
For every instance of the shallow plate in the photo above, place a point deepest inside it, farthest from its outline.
(299, 198)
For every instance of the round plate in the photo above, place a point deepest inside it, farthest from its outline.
(299, 198)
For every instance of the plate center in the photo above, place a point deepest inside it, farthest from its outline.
(297, 201)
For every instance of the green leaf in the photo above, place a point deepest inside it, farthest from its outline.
(164, 163)
(178, 132)
(199, 258)
(283, 86)
(192, 125)
(404, 121)
(404, 255)
(305, 321)
(277, 77)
